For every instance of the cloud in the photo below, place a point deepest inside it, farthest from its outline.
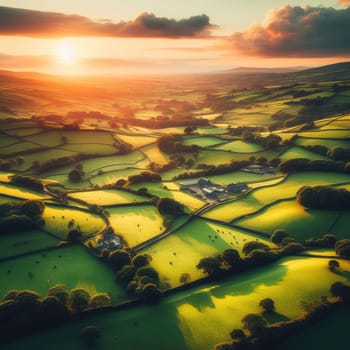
(23, 22)
(298, 32)
(345, 3)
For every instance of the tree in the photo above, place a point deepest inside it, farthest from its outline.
(53, 310)
(151, 292)
(168, 206)
(324, 197)
(16, 222)
(121, 183)
(141, 260)
(254, 323)
(210, 265)
(126, 274)
(11, 295)
(237, 334)
(119, 258)
(333, 265)
(74, 236)
(149, 272)
(340, 290)
(295, 165)
(275, 162)
(330, 240)
(79, 299)
(185, 278)
(60, 292)
(267, 304)
(230, 257)
(278, 236)
(253, 245)
(272, 141)
(342, 248)
(75, 175)
(189, 129)
(100, 300)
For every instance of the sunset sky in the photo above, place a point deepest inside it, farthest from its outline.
(89, 37)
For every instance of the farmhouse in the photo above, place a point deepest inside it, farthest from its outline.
(109, 241)
(237, 188)
(260, 169)
(207, 189)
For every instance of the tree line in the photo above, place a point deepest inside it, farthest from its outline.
(23, 312)
(21, 216)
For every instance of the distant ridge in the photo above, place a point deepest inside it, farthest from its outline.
(330, 68)
(245, 70)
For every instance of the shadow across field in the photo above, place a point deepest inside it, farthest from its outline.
(272, 276)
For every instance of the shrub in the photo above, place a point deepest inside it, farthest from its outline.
(253, 245)
(342, 248)
(141, 260)
(100, 300)
(119, 258)
(126, 274)
(278, 236)
(60, 292)
(79, 299)
(267, 305)
(149, 272)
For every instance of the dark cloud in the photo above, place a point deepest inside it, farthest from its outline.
(298, 32)
(14, 21)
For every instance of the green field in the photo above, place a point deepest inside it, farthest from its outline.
(47, 138)
(19, 147)
(108, 197)
(240, 146)
(213, 157)
(90, 148)
(189, 319)
(72, 266)
(298, 152)
(136, 141)
(111, 177)
(203, 141)
(299, 222)
(58, 219)
(154, 154)
(234, 177)
(6, 140)
(43, 156)
(181, 251)
(266, 195)
(171, 190)
(18, 192)
(136, 224)
(317, 336)
(327, 134)
(13, 244)
(325, 142)
(87, 136)
(23, 131)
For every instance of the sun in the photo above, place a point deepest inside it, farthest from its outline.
(66, 54)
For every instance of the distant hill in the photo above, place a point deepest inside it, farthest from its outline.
(247, 70)
(330, 68)
(331, 72)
